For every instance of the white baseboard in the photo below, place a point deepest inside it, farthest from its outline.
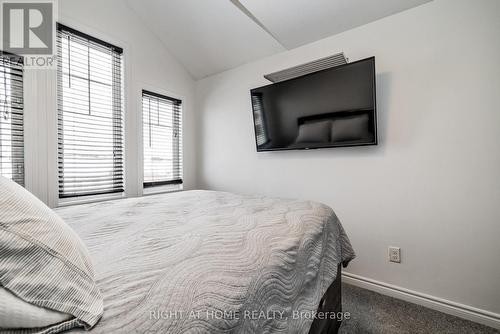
(463, 311)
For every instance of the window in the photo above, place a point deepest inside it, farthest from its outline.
(11, 118)
(162, 138)
(90, 116)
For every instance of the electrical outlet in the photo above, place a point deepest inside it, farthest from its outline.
(395, 254)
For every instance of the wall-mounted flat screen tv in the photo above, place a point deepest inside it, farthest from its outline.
(334, 107)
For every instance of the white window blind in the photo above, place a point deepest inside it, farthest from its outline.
(11, 118)
(90, 117)
(162, 138)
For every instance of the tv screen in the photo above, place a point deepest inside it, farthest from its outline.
(330, 108)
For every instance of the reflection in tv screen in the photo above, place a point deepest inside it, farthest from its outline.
(331, 108)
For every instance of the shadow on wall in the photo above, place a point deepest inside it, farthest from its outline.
(383, 82)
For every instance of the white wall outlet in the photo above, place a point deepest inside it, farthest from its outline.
(395, 254)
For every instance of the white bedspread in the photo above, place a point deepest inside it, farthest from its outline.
(210, 262)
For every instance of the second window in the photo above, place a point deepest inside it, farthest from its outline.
(162, 138)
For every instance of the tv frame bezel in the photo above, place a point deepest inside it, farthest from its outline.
(375, 122)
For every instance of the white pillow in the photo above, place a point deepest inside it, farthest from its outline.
(43, 261)
(16, 313)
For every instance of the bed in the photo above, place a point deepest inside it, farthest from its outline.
(213, 262)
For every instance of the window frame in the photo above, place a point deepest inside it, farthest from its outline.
(90, 198)
(159, 187)
(20, 60)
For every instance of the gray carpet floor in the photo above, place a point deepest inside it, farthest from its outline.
(375, 313)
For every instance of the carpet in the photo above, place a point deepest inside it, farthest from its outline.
(374, 313)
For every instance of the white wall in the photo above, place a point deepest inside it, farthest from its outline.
(432, 185)
(147, 65)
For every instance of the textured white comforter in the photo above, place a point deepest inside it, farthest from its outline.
(210, 262)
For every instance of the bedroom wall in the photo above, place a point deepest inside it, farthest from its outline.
(432, 185)
(147, 65)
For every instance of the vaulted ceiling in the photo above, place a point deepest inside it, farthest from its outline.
(211, 36)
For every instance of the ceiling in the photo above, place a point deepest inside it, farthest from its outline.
(211, 36)
(298, 22)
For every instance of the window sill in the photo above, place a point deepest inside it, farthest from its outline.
(108, 197)
(89, 199)
(162, 189)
